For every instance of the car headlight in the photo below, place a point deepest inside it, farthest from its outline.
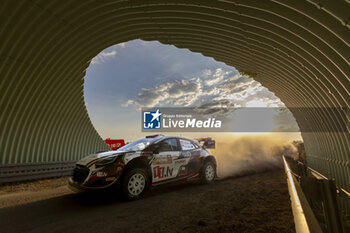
(108, 160)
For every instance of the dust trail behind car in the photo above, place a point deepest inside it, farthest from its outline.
(251, 154)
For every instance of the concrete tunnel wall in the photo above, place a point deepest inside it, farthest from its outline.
(298, 49)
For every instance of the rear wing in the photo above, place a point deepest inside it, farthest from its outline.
(207, 143)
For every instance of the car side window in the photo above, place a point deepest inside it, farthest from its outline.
(168, 145)
(174, 144)
(187, 145)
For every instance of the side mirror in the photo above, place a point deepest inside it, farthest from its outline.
(155, 149)
(210, 144)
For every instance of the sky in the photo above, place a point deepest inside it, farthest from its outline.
(125, 77)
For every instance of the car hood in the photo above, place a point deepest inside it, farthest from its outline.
(88, 159)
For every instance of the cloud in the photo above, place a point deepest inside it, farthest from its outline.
(221, 93)
(121, 45)
(284, 121)
(107, 54)
(173, 93)
(183, 87)
(217, 77)
(103, 57)
(215, 91)
(221, 107)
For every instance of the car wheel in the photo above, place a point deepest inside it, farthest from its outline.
(134, 184)
(208, 172)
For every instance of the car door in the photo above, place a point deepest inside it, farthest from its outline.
(163, 163)
(189, 158)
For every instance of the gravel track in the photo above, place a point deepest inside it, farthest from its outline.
(252, 203)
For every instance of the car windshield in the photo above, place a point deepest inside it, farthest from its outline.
(137, 145)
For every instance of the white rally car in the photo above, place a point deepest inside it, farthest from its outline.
(150, 161)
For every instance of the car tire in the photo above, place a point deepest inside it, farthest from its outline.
(208, 172)
(134, 184)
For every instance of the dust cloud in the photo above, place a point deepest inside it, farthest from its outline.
(251, 154)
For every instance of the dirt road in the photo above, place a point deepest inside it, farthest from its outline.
(253, 203)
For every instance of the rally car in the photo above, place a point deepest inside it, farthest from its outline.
(150, 161)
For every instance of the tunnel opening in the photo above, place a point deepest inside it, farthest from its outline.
(124, 78)
(298, 49)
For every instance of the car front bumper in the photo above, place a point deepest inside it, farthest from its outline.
(78, 187)
(75, 186)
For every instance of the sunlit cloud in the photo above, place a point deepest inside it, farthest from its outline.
(220, 92)
(171, 93)
(212, 88)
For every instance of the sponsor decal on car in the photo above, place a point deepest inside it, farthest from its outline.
(180, 161)
(162, 172)
(163, 160)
